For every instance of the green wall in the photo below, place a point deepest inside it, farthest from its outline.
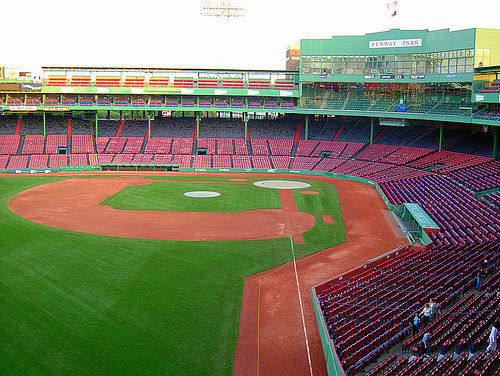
(432, 41)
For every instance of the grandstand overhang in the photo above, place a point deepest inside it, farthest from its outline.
(494, 69)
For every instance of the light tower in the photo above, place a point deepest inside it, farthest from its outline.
(225, 19)
(222, 8)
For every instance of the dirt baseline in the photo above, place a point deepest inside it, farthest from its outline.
(271, 337)
(71, 205)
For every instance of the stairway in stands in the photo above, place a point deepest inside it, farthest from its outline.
(268, 148)
(17, 131)
(381, 133)
(146, 137)
(458, 141)
(298, 132)
(21, 144)
(70, 127)
(120, 128)
(143, 147)
(339, 131)
(69, 134)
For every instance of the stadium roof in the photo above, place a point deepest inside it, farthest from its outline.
(495, 68)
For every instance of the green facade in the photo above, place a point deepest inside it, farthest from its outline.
(413, 56)
(432, 41)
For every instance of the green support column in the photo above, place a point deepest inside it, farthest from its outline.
(440, 137)
(197, 126)
(371, 132)
(307, 128)
(44, 129)
(149, 127)
(495, 143)
(245, 120)
(96, 126)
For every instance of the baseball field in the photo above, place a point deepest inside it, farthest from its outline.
(126, 275)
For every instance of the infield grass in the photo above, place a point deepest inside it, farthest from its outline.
(169, 196)
(81, 304)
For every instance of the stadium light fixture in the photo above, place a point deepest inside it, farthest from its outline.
(222, 8)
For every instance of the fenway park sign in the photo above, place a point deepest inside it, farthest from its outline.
(395, 43)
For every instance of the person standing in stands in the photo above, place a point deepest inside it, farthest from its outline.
(492, 346)
(426, 315)
(480, 274)
(433, 307)
(426, 349)
(414, 324)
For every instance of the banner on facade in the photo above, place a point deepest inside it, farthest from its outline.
(395, 43)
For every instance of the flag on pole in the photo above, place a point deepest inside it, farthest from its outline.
(392, 7)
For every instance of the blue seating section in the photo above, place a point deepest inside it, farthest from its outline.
(461, 217)
(280, 128)
(494, 198)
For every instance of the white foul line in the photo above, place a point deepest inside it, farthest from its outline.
(301, 309)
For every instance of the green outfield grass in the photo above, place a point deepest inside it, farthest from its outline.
(80, 304)
(169, 196)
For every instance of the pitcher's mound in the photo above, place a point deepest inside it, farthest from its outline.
(281, 184)
(202, 194)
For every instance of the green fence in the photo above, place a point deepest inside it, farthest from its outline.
(49, 170)
(78, 168)
(333, 366)
(28, 170)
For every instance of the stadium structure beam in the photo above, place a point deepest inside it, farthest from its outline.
(371, 132)
(197, 124)
(44, 126)
(245, 121)
(307, 127)
(96, 126)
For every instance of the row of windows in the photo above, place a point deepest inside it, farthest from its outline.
(459, 61)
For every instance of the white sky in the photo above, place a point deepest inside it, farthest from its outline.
(173, 34)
